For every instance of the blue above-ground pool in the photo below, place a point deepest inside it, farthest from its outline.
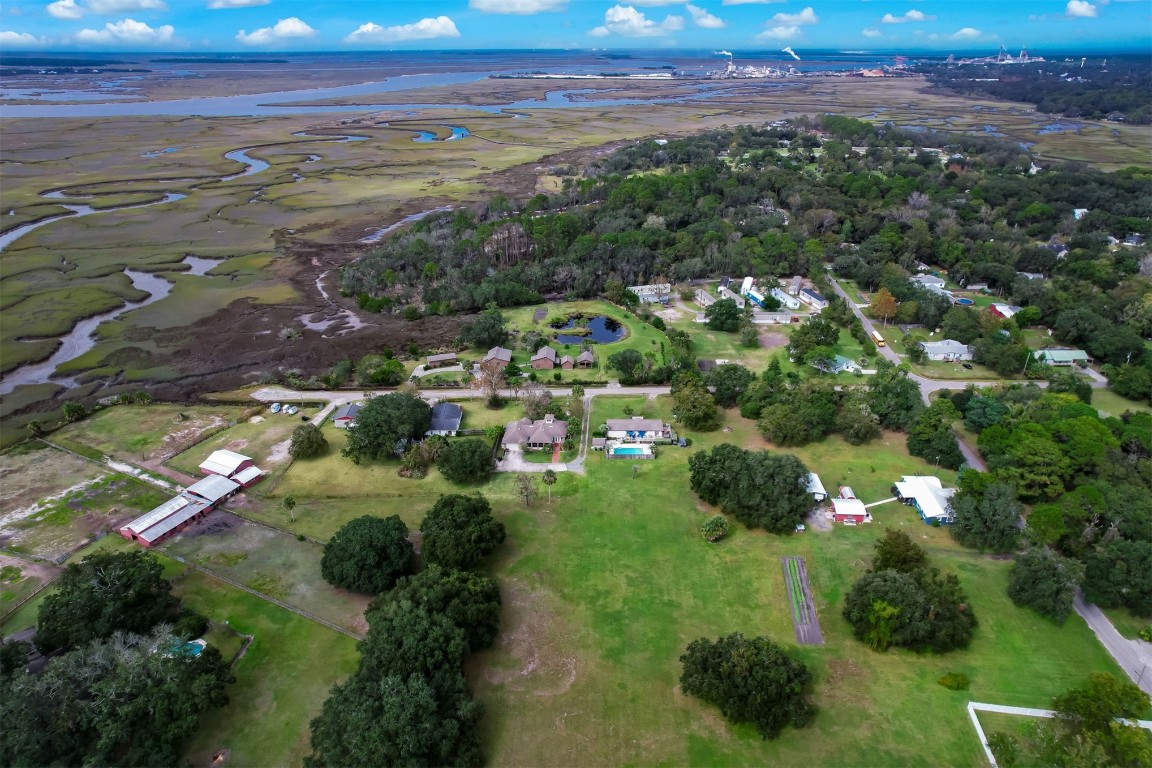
(965, 302)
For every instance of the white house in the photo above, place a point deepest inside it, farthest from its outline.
(839, 364)
(813, 299)
(927, 281)
(652, 294)
(926, 493)
(785, 300)
(1062, 357)
(728, 294)
(794, 285)
(947, 350)
(638, 430)
(704, 299)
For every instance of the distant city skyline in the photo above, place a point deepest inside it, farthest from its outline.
(315, 25)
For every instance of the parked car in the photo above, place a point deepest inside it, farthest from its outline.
(801, 528)
(966, 366)
(292, 410)
(275, 407)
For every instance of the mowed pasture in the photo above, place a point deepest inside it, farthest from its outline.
(264, 437)
(605, 586)
(270, 562)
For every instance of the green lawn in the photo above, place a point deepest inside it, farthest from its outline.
(281, 682)
(606, 587)
(1111, 404)
(1127, 623)
(140, 432)
(275, 564)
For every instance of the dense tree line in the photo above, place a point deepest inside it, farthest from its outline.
(1087, 479)
(125, 690)
(758, 488)
(1120, 91)
(408, 702)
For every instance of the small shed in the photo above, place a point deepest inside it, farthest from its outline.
(816, 488)
(586, 359)
(850, 511)
(345, 415)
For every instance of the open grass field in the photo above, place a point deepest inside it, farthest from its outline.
(156, 431)
(281, 682)
(606, 587)
(1111, 404)
(270, 562)
(1127, 623)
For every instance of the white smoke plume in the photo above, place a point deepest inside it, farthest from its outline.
(790, 52)
(723, 53)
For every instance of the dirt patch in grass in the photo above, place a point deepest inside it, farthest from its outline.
(529, 636)
(773, 340)
(279, 453)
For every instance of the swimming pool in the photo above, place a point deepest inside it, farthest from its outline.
(964, 302)
(638, 451)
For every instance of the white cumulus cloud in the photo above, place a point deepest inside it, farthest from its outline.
(779, 33)
(20, 39)
(806, 16)
(425, 29)
(1080, 9)
(703, 19)
(284, 29)
(65, 9)
(657, 3)
(518, 7)
(967, 33)
(216, 5)
(912, 15)
(125, 32)
(626, 21)
(110, 7)
(751, 2)
(872, 32)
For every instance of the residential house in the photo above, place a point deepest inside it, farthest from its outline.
(785, 300)
(496, 359)
(526, 434)
(586, 359)
(567, 363)
(947, 350)
(1063, 357)
(976, 286)
(1134, 240)
(345, 415)
(928, 281)
(445, 420)
(225, 462)
(659, 293)
(929, 497)
(441, 361)
(794, 285)
(704, 299)
(728, 294)
(638, 430)
(544, 359)
(812, 299)
(839, 364)
(773, 318)
(816, 488)
(1032, 275)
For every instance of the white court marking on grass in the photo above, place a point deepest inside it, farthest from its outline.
(974, 706)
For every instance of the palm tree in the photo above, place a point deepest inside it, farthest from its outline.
(549, 479)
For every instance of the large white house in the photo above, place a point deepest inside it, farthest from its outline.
(638, 430)
(928, 495)
(947, 350)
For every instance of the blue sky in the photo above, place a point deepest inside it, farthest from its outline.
(317, 25)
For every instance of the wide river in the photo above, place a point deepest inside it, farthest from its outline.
(264, 104)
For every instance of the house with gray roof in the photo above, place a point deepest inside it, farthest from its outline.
(345, 415)
(497, 358)
(445, 420)
(947, 350)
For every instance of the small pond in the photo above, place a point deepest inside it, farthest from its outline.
(599, 329)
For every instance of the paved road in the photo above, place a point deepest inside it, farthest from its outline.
(886, 352)
(1133, 656)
